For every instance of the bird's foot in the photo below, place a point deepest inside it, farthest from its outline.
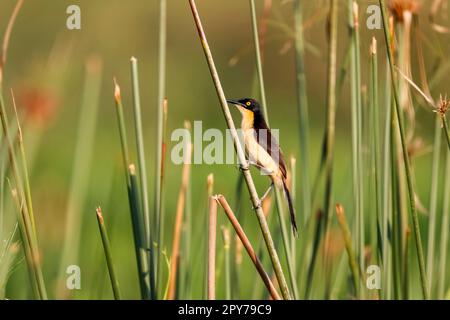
(258, 205)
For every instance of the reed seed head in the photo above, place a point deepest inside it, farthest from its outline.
(398, 8)
(443, 106)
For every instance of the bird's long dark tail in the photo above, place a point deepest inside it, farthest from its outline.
(291, 209)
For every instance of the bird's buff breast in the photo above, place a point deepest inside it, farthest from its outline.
(257, 154)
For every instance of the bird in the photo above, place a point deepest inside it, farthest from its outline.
(263, 151)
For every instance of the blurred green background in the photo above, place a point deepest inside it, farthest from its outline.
(48, 60)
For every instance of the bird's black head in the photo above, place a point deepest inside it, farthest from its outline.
(247, 103)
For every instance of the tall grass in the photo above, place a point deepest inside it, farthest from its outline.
(411, 193)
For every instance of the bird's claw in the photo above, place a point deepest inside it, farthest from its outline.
(258, 205)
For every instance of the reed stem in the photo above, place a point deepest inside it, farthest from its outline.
(212, 236)
(443, 250)
(259, 68)
(159, 174)
(433, 201)
(178, 224)
(349, 247)
(226, 248)
(302, 108)
(143, 173)
(108, 255)
(330, 129)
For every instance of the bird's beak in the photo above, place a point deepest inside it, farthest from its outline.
(236, 103)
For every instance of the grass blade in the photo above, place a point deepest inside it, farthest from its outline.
(174, 261)
(81, 166)
(226, 248)
(108, 256)
(160, 106)
(349, 247)
(143, 173)
(212, 236)
(302, 107)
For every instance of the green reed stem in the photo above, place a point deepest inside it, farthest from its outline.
(433, 200)
(81, 165)
(349, 247)
(133, 198)
(411, 193)
(108, 255)
(443, 250)
(387, 195)
(287, 247)
(241, 156)
(376, 150)
(302, 107)
(226, 248)
(138, 233)
(330, 127)
(360, 175)
(259, 67)
(446, 131)
(160, 135)
(143, 173)
(23, 163)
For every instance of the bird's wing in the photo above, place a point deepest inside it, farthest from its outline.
(266, 140)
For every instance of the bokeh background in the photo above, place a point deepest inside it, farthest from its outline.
(46, 70)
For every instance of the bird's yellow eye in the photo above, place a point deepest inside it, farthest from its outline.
(248, 103)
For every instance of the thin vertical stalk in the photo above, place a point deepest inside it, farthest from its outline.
(330, 124)
(375, 114)
(259, 68)
(23, 162)
(248, 247)
(286, 244)
(226, 248)
(293, 243)
(241, 156)
(133, 197)
(405, 267)
(138, 233)
(358, 183)
(80, 173)
(143, 173)
(209, 193)
(415, 218)
(443, 250)
(433, 201)
(160, 134)
(386, 245)
(178, 224)
(31, 256)
(446, 131)
(349, 247)
(212, 236)
(108, 255)
(302, 108)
